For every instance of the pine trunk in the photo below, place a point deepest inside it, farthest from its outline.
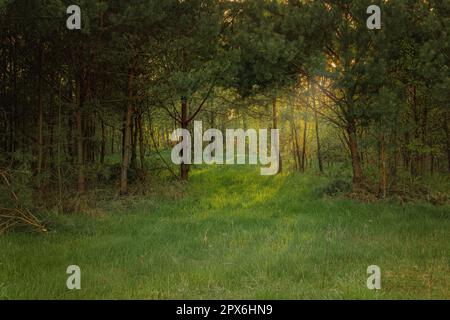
(316, 120)
(141, 141)
(184, 169)
(103, 144)
(127, 136)
(355, 156)
(275, 126)
(80, 139)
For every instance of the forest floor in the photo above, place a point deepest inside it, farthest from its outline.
(233, 234)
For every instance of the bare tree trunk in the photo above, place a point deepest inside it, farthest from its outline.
(447, 134)
(103, 144)
(90, 145)
(319, 148)
(80, 136)
(40, 137)
(299, 152)
(305, 133)
(316, 120)
(297, 146)
(124, 121)
(127, 136)
(407, 152)
(71, 132)
(393, 162)
(60, 186)
(113, 136)
(275, 126)
(12, 127)
(51, 128)
(383, 170)
(184, 169)
(355, 157)
(432, 163)
(134, 142)
(295, 151)
(141, 141)
(416, 158)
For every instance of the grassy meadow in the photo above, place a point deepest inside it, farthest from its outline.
(233, 234)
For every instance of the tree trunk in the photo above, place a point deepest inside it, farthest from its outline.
(316, 120)
(295, 151)
(447, 134)
(80, 136)
(124, 121)
(60, 184)
(319, 148)
(113, 136)
(50, 159)
(275, 126)
(406, 152)
(354, 152)
(184, 169)
(424, 137)
(103, 144)
(416, 157)
(305, 133)
(383, 170)
(127, 136)
(134, 142)
(90, 145)
(141, 141)
(40, 137)
(393, 162)
(12, 127)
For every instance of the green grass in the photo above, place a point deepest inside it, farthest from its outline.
(234, 234)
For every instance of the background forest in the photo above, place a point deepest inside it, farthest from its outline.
(86, 118)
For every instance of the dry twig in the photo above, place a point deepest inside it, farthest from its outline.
(17, 216)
